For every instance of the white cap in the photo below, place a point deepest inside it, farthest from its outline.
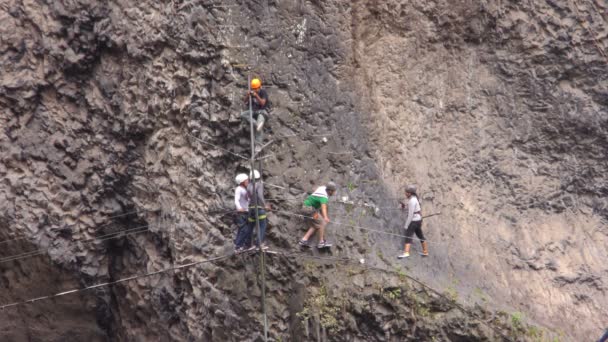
(241, 177)
(256, 173)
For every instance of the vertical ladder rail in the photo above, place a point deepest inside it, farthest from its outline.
(257, 217)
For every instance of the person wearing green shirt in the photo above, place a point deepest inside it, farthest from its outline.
(315, 209)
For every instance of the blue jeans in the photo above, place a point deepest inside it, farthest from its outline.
(604, 338)
(263, 222)
(243, 235)
(258, 116)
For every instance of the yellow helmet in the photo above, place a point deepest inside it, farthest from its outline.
(256, 83)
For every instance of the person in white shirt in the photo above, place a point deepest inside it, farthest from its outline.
(413, 223)
(241, 201)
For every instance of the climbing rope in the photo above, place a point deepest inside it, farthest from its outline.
(216, 146)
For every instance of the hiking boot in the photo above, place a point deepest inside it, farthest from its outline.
(425, 249)
(403, 256)
(303, 243)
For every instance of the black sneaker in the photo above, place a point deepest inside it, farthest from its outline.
(303, 243)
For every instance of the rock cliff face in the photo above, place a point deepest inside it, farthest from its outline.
(121, 138)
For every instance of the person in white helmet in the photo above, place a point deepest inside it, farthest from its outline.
(413, 223)
(315, 212)
(241, 201)
(262, 207)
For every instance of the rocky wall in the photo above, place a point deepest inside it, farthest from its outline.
(121, 137)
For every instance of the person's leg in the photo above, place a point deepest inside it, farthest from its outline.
(420, 235)
(408, 241)
(241, 222)
(409, 233)
(308, 214)
(406, 248)
(322, 225)
(247, 240)
(263, 225)
(245, 117)
(262, 233)
(311, 231)
(260, 120)
(259, 128)
(604, 338)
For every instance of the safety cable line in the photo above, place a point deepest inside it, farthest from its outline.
(289, 213)
(103, 225)
(286, 136)
(401, 274)
(109, 236)
(347, 203)
(341, 225)
(290, 150)
(339, 201)
(122, 280)
(216, 146)
(102, 237)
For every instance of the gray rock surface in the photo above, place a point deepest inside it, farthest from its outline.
(112, 112)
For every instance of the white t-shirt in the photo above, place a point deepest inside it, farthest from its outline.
(413, 211)
(241, 199)
(321, 192)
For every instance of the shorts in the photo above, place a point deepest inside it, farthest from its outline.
(313, 218)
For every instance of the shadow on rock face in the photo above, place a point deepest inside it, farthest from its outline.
(29, 277)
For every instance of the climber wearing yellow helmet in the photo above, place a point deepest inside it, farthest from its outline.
(260, 106)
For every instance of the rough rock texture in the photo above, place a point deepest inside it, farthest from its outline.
(118, 117)
(498, 111)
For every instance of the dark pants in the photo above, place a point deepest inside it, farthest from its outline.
(243, 235)
(414, 227)
(258, 115)
(604, 338)
(263, 223)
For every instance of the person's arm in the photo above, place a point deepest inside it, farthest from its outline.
(259, 188)
(261, 100)
(324, 212)
(410, 213)
(261, 199)
(237, 198)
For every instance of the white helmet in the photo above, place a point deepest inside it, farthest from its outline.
(241, 177)
(256, 173)
(411, 189)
